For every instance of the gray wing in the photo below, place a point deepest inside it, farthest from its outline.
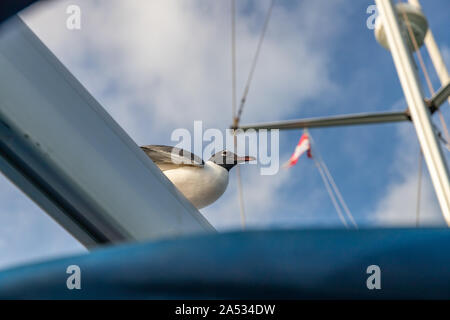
(167, 157)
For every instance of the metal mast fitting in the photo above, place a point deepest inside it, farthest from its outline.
(435, 54)
(414, 97)
(416, 19)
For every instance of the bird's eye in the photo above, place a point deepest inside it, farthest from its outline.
(224, 153)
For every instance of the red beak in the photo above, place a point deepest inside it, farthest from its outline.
(245, 159)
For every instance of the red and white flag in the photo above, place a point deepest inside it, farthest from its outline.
(302, 147)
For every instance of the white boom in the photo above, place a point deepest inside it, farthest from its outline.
(62, 148)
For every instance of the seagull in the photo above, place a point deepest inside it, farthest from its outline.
(202, 183)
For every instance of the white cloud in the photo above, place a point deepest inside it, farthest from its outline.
(159, 65)
(261, 198)
(27, 233)
(163, 64)
(398, 206)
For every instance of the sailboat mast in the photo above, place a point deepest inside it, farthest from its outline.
(435, 53)
(420, 114)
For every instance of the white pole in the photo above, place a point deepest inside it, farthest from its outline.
(61, 147)
(419, 113)
(435, 53)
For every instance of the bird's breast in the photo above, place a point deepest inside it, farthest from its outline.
(201, 186)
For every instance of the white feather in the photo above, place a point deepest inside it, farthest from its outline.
(201, 186)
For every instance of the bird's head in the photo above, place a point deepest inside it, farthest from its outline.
(228, 159)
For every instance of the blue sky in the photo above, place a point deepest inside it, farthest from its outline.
(160, 65)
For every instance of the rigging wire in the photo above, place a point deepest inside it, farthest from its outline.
(419, 189)
(253, 66)
(444, 142)
(241, 197)
(444, 125)
(440, 137)
(237, 116)
(425, 71)
(330, 193)
(234, 105)
(233, 58)
(339, 195)
(441, 117)
(321, 165)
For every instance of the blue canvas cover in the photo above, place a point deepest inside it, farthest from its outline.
(289, 264)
